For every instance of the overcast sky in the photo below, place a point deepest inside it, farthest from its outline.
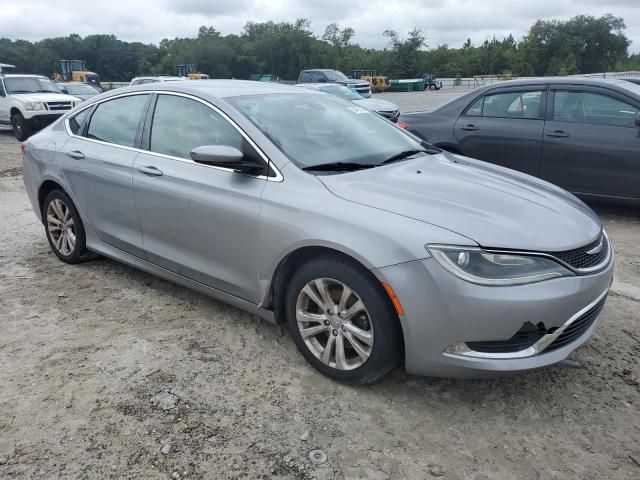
(443, 21)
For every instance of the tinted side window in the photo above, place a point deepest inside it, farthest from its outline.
(76, 121)
(317, 77)
(524, 104)
(116, 121)
(593, 108)
(305, 77)
(181, 124)
(136, 82)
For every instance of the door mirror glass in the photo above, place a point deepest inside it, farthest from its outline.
(225, 156)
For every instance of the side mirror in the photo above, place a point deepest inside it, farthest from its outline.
(225, 156)
(636, 119)
(64, 90)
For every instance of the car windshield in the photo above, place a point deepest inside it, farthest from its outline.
(320, 129)
(341, 92)
(81, 89)
(30, 85)
(336, 76)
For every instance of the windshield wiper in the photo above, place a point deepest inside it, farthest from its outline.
(46, 91)
(20, 91)
(338, 167)
(402, 155)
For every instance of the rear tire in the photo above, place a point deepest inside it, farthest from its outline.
(21, 127)
(342, 320)
(64, 228)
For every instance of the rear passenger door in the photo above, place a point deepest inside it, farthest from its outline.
(97, 162)
(591, 144)
(504, 126)
(197, 220)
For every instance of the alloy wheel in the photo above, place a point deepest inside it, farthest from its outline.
(334, 324)
(61, 227)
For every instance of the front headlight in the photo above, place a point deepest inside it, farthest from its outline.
(34, 106)
(496, 269)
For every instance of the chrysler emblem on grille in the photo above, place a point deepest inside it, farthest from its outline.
(596, 249)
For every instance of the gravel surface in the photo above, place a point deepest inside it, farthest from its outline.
(107, 372)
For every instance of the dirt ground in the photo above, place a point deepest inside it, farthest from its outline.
(107, 372)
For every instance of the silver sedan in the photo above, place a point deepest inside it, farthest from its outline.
(375, 248)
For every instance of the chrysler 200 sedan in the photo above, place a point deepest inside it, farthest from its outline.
(374, 247)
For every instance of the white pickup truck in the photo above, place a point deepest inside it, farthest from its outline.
(31, 102)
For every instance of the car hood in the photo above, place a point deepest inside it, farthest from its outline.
(377, 105)
(44, 97)
(494, 206)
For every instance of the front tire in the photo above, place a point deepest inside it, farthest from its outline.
(64, 228)
(21, 127)
(342, 321)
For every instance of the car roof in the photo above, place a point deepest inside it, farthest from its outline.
(214, 88)
(320, 70)
(316, 85)
(9, 75)
(72, 83)
(158, 77)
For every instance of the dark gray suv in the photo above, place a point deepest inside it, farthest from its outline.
(582, 134)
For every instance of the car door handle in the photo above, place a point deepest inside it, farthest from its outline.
(557, 134)
(78, 155)
(469, 128)
(149, 170)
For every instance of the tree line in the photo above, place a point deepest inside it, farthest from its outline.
(583, 44)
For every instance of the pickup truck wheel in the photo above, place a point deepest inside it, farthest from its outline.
(432, 87)
(21, 127)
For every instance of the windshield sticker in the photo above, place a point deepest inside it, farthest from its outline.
(357, 109)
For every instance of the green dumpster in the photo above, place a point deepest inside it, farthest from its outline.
(406, 85)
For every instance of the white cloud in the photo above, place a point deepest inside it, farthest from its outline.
(443, 21)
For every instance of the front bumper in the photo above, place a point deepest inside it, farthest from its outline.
(42, 119)
(442, 311)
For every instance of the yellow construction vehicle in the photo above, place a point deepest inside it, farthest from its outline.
(76, 71)
(191, 72)
(378, 83)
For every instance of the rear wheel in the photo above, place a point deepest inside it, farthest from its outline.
(342, 321)
(64, 228)
(21, 127)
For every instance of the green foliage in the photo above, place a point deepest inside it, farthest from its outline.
(583, 44)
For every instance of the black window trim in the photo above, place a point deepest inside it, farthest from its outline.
(555, 87)
(542, 108)
(276, 177)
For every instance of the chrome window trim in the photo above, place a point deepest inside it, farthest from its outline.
(462, 350)
(270, 164)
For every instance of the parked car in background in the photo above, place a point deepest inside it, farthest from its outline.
(83, 91)
(264, 77)
(375, 248)
(635, 80)
(384, 108)
(156, 79)
(31, 102)
(324, 75)
(582, 134)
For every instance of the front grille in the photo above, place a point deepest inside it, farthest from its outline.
(578, 327)
(59, 106)
(580, 259)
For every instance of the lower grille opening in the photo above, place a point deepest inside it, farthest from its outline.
(523, 338)
(529, 334)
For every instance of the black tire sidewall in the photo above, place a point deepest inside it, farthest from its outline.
(79, 253)
(387, 346)
(18, 119)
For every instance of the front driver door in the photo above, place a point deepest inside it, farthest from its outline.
(505, 127)
(198, 221)
(591, 144)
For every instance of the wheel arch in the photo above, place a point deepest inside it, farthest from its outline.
(45, 188)
(275, 294)
(13, 111)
